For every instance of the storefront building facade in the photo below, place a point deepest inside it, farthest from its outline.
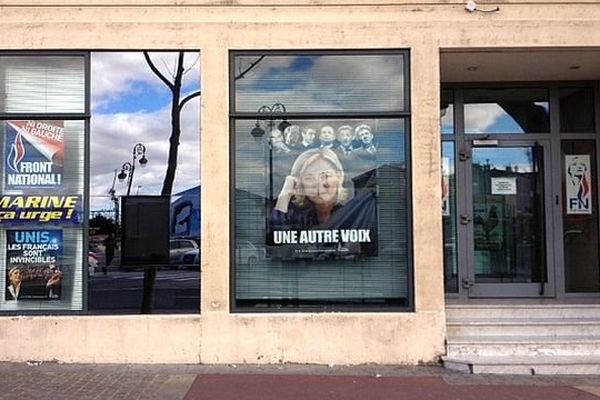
(309, 107)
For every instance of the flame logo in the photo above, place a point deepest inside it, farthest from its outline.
(16, 153)
(584, 188)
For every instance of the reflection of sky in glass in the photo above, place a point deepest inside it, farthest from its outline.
(448, 153)
(511, 110)
(503, 158)
(252, 156)
(447, 120)
(321, 83)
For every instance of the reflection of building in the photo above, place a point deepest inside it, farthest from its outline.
(185, 213)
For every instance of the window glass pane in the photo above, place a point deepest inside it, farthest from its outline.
(447, 112)
(506, 110)
(38, 85)
(122, 120)
(319, 222)
(320, 83)
(577, 110)
(580, 216)
(449, 217)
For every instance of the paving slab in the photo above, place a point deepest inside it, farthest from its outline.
(54, 381)
(301, 387)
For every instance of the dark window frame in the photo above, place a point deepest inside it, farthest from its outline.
(296, 306)
(553, 136)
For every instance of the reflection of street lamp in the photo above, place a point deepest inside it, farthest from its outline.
(258, 132)
(128, 168)
(115, 201)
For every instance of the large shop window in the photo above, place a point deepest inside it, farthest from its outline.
(43, 134)
(322, 181)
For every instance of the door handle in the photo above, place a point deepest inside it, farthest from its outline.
(465, 219)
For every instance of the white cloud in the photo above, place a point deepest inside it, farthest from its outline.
(330, 83)
(114, 76)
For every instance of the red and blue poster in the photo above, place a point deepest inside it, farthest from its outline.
(33, 264)
(34, 153)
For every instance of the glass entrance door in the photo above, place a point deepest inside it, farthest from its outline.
(507, 226)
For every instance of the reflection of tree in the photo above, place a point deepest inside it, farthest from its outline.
(177, 104)
(532, 118)
(251, 66)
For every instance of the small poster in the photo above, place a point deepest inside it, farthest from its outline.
(33, 264)
(34, 153)
(504, 185)
(445, 186)
(578, 186)
(323, 203)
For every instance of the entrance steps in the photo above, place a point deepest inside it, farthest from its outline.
(523, 338)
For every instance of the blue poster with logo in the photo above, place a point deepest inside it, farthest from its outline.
(34, 154)
(34, 264)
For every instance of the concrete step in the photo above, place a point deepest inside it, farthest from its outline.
(523, 346)
(478, 327)
(534, 365)
(459, 312)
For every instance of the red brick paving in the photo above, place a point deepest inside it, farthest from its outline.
(309, 387)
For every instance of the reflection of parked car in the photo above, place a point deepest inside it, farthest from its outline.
(247, 253)
(92, 262)
(179, 247)
(190, 259)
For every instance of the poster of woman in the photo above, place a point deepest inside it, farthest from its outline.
(321, 212)
(33, 264)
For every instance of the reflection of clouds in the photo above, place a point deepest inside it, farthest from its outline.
(114, 135)
(447, 119)
(116, 77)
(480, 117)
(502, 158)
(329, 83)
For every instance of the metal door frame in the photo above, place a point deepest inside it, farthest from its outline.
(467, 282)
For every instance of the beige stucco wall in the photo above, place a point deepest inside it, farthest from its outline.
(215, 28)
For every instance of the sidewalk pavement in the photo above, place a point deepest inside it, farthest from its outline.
(279, 382)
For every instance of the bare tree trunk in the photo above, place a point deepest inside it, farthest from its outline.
(175, 87)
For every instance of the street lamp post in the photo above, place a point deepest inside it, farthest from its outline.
(258, 132)
(128, 168)
(112, 192)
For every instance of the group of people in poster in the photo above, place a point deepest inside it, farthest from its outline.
(345, 138)
(324, 210)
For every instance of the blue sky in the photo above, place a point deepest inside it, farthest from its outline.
(131, 105)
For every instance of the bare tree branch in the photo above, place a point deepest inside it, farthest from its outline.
(244, 72)
(157, 72)
(189, 97)
(192, 66)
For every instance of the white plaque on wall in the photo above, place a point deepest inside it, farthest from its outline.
(505, 185)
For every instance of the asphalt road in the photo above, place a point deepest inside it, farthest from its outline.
(120, 292)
